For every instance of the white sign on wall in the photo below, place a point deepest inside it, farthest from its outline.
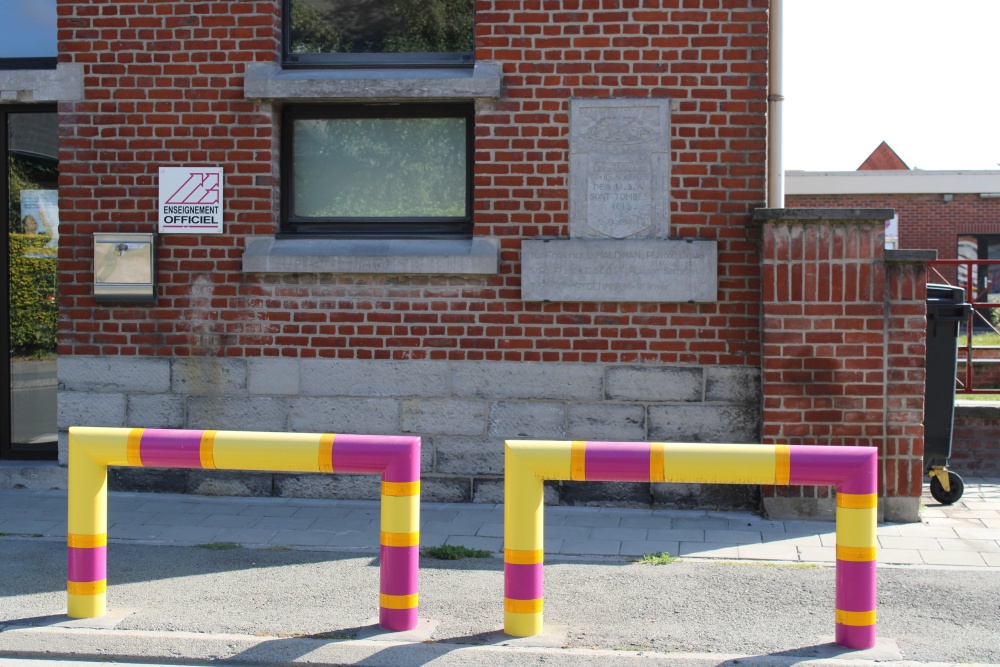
(191, 200)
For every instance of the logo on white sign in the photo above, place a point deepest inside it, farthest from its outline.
(191, 200)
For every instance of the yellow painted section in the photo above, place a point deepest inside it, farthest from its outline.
(523, 501)
(133, 452)
(400, 488)
(86, 541)
(782, 465)
(207, 450)
(87, 606)
(515, 557)
(399, 539)
(707, 463)
(547, 459)
(87, 587)
(856, 528)
(87, 495)
(326, 452)
(398, 601)
(857, 501)
(524, 606)
(108, 446)
(522, 625)
(859, 618)
(400, 514)
(578, 460)
(657, 465)
(247, 450)
(856, 554)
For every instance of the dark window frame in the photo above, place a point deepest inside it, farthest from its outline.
(362, 60)
(41, 62)
(398, 227)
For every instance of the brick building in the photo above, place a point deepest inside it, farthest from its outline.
(362, 284)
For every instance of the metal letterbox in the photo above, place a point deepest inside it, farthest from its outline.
(125, 268)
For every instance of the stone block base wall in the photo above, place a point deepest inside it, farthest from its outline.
(975, 440)
(462, 410)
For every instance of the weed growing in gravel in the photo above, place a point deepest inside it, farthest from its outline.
(219, 546)
(658, 558)
(455, 552)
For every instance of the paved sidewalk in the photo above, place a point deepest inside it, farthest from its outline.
(966, 534)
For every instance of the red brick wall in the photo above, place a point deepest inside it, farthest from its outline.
(974, 448)
(164, 88)
(926, 222)
(843, 347)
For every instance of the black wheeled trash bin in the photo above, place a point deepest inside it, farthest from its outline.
(946, 309)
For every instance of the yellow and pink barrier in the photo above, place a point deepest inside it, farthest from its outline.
(396, 458)
(853, 470)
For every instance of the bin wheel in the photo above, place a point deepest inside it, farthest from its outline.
(950, 496)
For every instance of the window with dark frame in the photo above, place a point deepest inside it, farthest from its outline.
(28, 35)
(378, 33)
(369, 170)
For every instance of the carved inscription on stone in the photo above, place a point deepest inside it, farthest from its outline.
(619, 169)
(616, 271)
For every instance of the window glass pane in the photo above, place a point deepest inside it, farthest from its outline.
(379, 167)
(381, 26)
(28, 29)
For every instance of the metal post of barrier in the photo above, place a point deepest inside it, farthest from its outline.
(853, 470)
(395, 458)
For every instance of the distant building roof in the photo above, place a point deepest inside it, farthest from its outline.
(882, 158)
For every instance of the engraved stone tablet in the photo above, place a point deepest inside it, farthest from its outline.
(619, 168)
(648, 270)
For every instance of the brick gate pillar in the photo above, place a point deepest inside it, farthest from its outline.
(843, 334)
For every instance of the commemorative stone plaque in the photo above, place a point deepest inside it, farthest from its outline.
(652, 270)
(619, 169)
(619, 205)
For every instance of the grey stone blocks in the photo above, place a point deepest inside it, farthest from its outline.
(463, 412)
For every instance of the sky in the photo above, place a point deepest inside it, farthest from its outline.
(921, 75)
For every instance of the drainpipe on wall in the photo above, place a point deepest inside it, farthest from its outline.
(775, 168)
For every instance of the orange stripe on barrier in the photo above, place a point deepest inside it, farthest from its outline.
(132, 447)
(857, 501)
(326, 452)
(857, 618)
(87, 587)
(782, 465)
(657, 453)
(87, 541)
(524, 557)
(398, 601)
(578, 460)
(207, 449)
(524, 606)
(401, 489)
(399, 539)
(856, 554)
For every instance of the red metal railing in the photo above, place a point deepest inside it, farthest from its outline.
(980, 278)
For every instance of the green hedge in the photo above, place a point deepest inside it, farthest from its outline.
(33, 309)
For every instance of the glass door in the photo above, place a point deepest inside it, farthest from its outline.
(29, 144)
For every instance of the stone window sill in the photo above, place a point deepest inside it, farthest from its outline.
(267, 81)
(476, 256)
(62, 84)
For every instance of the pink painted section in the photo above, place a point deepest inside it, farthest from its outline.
(399, 570)
(523, 582)
(851, 469)
(855, 636)
(617, 461)
(397, 620)
(396, 458)
(163, 448)
(855, 586)
(87, 564)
